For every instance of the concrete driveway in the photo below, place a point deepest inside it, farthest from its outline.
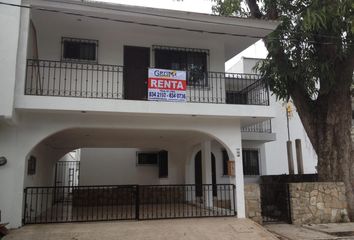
(188, 229)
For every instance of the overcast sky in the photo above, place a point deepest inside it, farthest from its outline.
(203, 6)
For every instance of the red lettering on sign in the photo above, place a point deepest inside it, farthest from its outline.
(167, 84)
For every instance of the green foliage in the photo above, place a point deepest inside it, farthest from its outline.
(313, 37)
(228, 7)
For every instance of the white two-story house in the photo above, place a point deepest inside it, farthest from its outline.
(74, 75)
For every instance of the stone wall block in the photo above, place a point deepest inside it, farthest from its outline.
(253, 202)
(318, 202)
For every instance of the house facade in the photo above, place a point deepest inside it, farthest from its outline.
(75, 75)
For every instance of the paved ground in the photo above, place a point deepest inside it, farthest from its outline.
(332, 231)
(186, 229)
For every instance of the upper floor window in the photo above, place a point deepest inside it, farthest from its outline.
(250, 159)
(192, 60)
(75, 49)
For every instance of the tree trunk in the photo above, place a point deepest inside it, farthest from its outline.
(330, 134)
(334, 144)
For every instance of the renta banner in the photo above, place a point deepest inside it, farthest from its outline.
(167, 85)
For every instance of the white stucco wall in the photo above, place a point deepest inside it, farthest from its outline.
(9, 35)
(275, 154)
(117, 166)
(18, 142)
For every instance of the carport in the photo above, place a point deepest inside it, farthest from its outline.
(104, 197)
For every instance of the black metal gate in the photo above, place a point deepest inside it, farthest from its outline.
(126, 202)
(275, 202)
(67, 173)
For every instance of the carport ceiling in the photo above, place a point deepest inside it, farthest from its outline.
(127, 138)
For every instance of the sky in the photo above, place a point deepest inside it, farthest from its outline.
(257, 50)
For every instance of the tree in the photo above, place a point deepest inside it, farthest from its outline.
(311, 61)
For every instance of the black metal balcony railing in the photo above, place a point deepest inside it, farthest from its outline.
(89, 80)
(263, 127)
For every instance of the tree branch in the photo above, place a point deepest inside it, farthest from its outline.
(254, 8)
(272, 11)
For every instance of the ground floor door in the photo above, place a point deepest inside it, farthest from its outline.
(198, 173)
(136, 64)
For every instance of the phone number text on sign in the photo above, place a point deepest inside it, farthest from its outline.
(167, 85)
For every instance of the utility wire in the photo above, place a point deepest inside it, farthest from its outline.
(157, 25)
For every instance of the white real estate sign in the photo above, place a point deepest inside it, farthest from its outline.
(167, 85)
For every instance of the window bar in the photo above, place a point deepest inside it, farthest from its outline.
(103, 190)
(118, 72)
(108, 71)
(41, 205)
(46, 205)
(149, 191)
(106, 202)
(70, 213)
(76, 209)
(221, 78)
(225, 189)
(91, 89)
(86, 203)
(97, 82)
(157, 196)
(112, 197)
(28, 79)
(112, 79)
(49, 89)
(76, 72)
(102, 70)
(138, 204)
(81, 77)
(41, 86)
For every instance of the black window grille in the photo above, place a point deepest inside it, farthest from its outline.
(75, 49)
(192, 60)
(225, 159)
(147, 158)
(250, 159)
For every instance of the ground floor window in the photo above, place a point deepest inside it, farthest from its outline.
(250, 158)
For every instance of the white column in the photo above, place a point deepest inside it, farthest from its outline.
(239, 182)
(207, 178)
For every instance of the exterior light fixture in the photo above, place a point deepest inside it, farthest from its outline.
(3, 161)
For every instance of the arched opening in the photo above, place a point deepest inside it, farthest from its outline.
(89, 174)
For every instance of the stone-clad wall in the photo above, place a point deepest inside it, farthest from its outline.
(318, 202)
(253, 202)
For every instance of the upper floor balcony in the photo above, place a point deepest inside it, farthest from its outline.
(83, 63)
(104, 81)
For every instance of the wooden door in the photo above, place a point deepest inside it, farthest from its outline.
(136, 64)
